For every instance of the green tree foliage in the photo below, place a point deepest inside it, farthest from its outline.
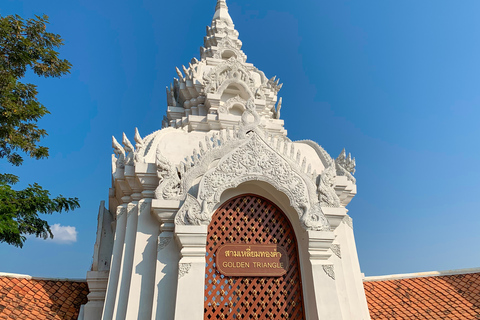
(25, 45)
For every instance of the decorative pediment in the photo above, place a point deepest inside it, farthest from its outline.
(252, 156)
(230, 71)
(226, 45)
(254, 160)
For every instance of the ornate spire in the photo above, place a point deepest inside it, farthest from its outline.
(212, 93)
(221, 12)
(221, 35)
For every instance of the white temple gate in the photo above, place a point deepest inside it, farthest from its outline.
(223, 139)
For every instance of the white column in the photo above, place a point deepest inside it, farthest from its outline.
(340, 279)
(122, 298)
(352, 269)
(97, 284)
(166, 273)
(140, 298)
(115, 262)
(191, 272)
(326, 295)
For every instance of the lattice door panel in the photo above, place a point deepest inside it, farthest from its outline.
(252, 219)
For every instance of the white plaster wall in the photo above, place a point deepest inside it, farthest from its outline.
(312, 157)
(175, 144)
(345, 302)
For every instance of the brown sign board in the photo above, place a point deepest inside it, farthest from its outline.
(252, 260)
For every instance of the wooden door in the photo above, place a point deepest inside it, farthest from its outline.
(252, 219)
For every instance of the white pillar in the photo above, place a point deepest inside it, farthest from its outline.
(191, 272)
(326, 296)
(115, 262)
(122, 299)
(166, 273)
(353, 275)
(97, 284)
(140, 298)
(342, 286)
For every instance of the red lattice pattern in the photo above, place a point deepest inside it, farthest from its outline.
(252, 219)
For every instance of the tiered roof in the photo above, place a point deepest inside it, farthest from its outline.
(211, 93)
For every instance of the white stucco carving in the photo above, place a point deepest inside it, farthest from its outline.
(121, 211)
(346, 165)
(183, 269)
(326, 187)
(120, 152)
(191, 213)
(226, 46)
(336, 250)
(196, 98)
(169, 186)
(128, 147)
(329, 270)
(239, 101)
(139, 146)
(247, 157)
(228, 72)
(255, 160)
(163, 242)
(276, 112)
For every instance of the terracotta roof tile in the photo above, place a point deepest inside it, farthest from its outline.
(41, 299)
(440, 297)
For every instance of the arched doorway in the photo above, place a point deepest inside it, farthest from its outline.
(251, 219)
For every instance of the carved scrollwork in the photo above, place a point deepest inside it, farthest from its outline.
(192, 212)
(314, 219)
(326, 187)
(329, 270)
(131, 209)
(163, 242)
(230, 103)
(254, 160)
(183, 269)
(336, 250)
(232, 69)
(227, 44)
(121, 210)
(169, 186)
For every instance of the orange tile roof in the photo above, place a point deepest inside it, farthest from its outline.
(440, 297)
(41, 299)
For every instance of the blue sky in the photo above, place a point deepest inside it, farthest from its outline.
(397, 83)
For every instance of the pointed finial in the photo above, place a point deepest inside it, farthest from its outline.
(221, 4)
(221, 12)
